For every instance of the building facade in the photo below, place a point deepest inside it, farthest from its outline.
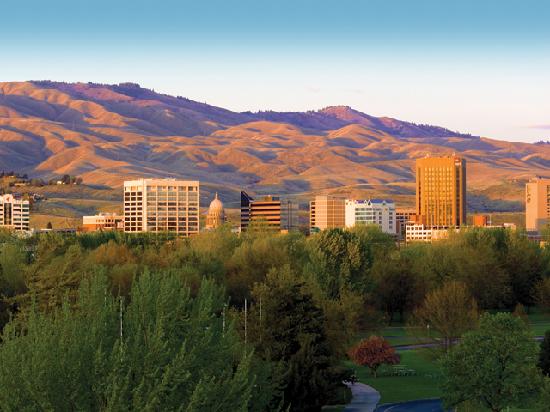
(537, 204)
(161, 205)
(371, 212)
(418, 232)
(441, 191)
(102, 221)
(14, 213)
(327, 212)
(271, 211)
(481, 221)
(216, 214)
(402, 217)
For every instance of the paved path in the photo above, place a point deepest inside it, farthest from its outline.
(435, 344)
(365, 398)
(422, 405)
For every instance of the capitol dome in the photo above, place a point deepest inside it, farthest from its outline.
(216, 214)
(216, 205)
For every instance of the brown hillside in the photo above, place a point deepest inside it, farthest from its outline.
(108, 133)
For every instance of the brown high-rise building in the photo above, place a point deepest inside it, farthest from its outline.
(327, 212)
(271, 211)
(441, 191)
(537, 204)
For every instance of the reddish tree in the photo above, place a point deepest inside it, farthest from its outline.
(373, 352)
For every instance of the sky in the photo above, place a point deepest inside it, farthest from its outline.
(476, 66)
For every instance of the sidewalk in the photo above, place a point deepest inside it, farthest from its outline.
(365, 398)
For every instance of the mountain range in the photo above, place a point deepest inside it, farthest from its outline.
(109, 133)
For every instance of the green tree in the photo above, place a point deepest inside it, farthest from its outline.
(342, 258)
(397, 287)
(289, 332)
(449, 311)
(12, 277)
(523, 260)
(542, 293)
(544, 357)
(165, 350)
(494, 366)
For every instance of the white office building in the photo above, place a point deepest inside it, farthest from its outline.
(372, 212)
(161, 205)
(14, 213)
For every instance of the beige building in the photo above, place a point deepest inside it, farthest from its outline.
(161, 205)
(537, 204)
(216, 214)
(327, 212)
(14, 213)
(441, 191)
(102, 221)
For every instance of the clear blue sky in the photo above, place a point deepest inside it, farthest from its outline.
(478, 66)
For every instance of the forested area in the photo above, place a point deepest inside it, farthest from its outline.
(260, 321)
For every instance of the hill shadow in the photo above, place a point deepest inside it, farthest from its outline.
(482, 203)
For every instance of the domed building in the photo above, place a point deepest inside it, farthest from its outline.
(216, 214)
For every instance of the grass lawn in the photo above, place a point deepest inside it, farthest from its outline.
(425, 384)
(405, 388)
(399, 334)
(539, 321)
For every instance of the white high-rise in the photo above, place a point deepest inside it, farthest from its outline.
(372, 212)
(161, 205)
(14, 213)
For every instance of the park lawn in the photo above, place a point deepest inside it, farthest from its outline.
(398, 334)
(539, 321)
(424, 385)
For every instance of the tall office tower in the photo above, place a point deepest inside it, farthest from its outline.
(161, 205)
(14, 213)
(372, 212)
(327, 212)
(246, 201)
(271, 211)
(441, 191)
(537, 204)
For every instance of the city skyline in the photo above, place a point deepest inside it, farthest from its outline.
(460, 66)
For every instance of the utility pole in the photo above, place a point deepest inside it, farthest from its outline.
(223, 320)
(261, 329)
(120, 316)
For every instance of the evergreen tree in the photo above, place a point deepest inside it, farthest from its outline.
(544, 357)
(289, 332)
